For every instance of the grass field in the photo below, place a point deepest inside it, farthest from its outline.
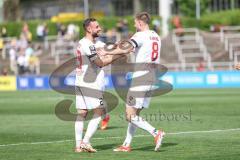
(31, 131)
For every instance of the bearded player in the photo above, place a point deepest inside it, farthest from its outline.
(89, 66)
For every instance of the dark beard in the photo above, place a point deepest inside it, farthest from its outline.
(95, 35)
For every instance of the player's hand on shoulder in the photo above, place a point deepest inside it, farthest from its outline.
(125, 46)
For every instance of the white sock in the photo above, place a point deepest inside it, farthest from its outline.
(78, 132)
(92, 127)
(141, 123)
(130, 133)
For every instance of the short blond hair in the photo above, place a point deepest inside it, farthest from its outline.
(144, 16)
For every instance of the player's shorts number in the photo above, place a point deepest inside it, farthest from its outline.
(101, 101)
(154, 51)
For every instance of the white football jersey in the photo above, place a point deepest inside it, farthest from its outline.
(147, 46)
(88, 74)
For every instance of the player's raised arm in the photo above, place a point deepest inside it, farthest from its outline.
(126, 46)
(105, 60)
(99, 60)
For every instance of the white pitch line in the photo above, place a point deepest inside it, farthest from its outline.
(34, 143)
(210, 131)
(102, 138)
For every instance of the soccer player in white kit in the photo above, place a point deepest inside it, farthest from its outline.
(89, 65)
(147, 46)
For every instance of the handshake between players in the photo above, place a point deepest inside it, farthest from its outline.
(91, 57)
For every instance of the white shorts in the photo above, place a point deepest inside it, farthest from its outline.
(89, 95)
(141, 99)
(85, 102)
(143, 93)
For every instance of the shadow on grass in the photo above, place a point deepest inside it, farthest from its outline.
(111, 128)
(106, 146)
(151, 148)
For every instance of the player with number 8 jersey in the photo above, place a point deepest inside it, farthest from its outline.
(146, 46)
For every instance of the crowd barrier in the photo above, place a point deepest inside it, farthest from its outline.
(220, 79)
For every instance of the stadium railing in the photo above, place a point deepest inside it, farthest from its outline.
(236, 55)
(230, 39)
(62, 47)
(6, 46)
(189, 31)
(230, 36)
(193, 66)
(233, 47)
(48, 40)
(225, 30)
(189, 46)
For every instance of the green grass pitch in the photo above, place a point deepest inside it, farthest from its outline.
(29, 129)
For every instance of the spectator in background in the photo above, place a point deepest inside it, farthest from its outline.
(122, 29)
(26, 33)
(1, 44)
(38, 50)
(103, 36)
(13, 56)
(216, 28)
(156, 25)
(21, 62)
(62, 31)
(29, 50)
(40, 32)
(201, 65)
(45, 30)
(4, 32)
(4, 71)
(34, 61)
(119, 26)
(111, 36)
(125, 29)
(34, 64)
(58, 26)
(177, 24)
(28, 53)
(71, 30)
(77, 31)
(22, 42)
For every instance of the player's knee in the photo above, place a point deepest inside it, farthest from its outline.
(129, 117)
(100, 112)
(82, 114)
